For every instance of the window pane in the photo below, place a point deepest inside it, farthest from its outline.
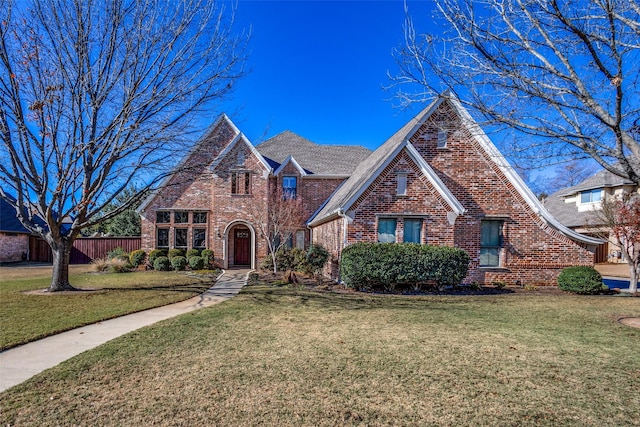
(247, 183)
(234, 183)
(181, 238)
(402, 185)
(490, 233)
(199, 217)
(412, 230)
(300, 239)
(163, 217)
(387, 230)
(596, 196)
(442, 138)
(163, 238)
(289, 187)
(181, 217)
(489, 257)
(199, 237)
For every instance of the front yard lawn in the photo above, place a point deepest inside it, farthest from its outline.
(27, 315)
(293, 356)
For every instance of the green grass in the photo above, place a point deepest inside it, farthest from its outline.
(26, 316)
(279, 356)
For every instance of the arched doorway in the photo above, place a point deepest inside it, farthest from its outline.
(240, 245)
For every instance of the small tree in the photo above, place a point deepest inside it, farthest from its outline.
(278, 221)
(622, 217)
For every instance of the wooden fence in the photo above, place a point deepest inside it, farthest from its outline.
(84, 249)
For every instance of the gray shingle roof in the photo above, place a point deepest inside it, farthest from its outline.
(315, 158)
(365, 169)
(602, 179)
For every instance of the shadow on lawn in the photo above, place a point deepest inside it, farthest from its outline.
(264, 295)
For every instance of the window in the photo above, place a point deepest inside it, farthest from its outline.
(289, 187)
(386, 230)
(181, 238)
(163, 217)
(442, 138)
(240, 183)
(591, 196)
(402, 184)
(413, 231)
(181, 217)
(199, 238)
(162, 240)
(300, 239)
(199, 217)
(490, 243)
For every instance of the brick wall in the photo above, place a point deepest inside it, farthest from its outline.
(12, 246)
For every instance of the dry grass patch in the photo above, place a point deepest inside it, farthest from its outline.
(279, 356)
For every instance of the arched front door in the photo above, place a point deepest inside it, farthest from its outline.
(242, 246)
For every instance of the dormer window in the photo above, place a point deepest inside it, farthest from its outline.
(591, 196)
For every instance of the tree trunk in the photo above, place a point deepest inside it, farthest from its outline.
(633, 281)
(61, 252)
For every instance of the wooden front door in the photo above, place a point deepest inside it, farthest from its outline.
(242, 247)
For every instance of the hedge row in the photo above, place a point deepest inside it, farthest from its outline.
(311, 261)
(387, 266)
(158, 259)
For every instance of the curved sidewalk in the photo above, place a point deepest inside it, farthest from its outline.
(21, 363)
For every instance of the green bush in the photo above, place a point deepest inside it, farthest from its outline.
(402, 265)
(175, 252)
(317, 257)
(162, 264)
(192, 252)
(580, 280)
(178, 263)
(154, 254)
(137, 258)
(208, 256)
(116, 252)
(298, 260)
(196, 263)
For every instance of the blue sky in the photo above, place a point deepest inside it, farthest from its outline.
(318, 68)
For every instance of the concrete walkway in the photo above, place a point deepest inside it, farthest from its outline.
(21, 363)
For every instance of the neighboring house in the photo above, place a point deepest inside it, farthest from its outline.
(438, 180)
(14, 238)
(577, 208)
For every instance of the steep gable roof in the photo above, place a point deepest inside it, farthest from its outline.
(9, 222)
(371, 167)
(315, 159)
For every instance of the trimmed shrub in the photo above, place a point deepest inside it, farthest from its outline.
(175, 252)
(298, 259)
(387, 266)
(317, 257)
(196, 263)
(154, 254)
(208, 256)
(116, 252)
(192, 252)
(178, 263)
(267, 263)
(162, 264)
(137, 258)
(580, 280)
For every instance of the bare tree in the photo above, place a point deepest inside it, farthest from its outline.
(561, 72)
(277, 221)
(98, 95)
(620, 218)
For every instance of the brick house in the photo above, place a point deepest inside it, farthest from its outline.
(438, 180)
(14, 238)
